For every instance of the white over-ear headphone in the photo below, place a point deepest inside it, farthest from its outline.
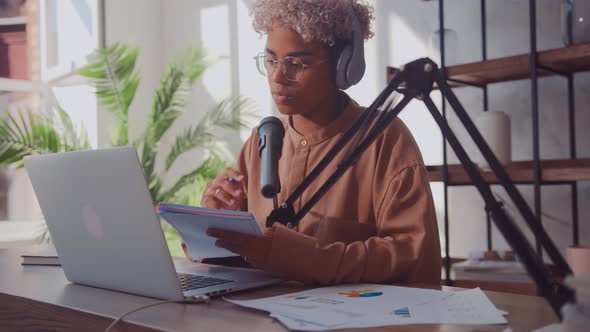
(350, 64)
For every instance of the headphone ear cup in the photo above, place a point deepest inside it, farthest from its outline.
(355, 68)
(342, 63)
(350, 64)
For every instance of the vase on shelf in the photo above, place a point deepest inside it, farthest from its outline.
(451, 45)
(494, 126)
(575, 21)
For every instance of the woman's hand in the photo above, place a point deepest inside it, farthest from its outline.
(254, 250)
(226, 191)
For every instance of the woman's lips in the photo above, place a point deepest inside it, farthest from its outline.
(281, 99)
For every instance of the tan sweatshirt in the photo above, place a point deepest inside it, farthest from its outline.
(376, 224)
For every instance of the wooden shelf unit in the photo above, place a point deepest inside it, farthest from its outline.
(531, 65)
(566, 60)
(521, 172)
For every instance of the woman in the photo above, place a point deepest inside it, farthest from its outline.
(377, 223)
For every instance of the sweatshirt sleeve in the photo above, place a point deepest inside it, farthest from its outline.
(406, 242)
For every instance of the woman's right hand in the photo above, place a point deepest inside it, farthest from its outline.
(225, 192)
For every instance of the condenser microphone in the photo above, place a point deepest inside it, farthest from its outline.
(270, 144)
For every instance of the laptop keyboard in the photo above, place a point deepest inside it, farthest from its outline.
(191, 281)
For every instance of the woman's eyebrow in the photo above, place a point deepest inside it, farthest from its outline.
(294, 53)
(300, 53)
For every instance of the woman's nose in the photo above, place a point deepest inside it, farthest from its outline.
(277, 75)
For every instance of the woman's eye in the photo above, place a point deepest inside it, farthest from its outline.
(293, 62)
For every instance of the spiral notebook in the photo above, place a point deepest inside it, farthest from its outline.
(192, 224)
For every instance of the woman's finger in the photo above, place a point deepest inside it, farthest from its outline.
(223, 196)
(226, 191)
(232, 173)
(232, 185)
(228, 245)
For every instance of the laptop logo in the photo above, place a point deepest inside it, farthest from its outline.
(92, 222)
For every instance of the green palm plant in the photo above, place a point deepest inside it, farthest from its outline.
(24, 133)
(114, 75)
(116, 79)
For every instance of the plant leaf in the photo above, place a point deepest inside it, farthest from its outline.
(31, 133)
(169, 102)
(116, 79)
(228, 114)
(207, 170)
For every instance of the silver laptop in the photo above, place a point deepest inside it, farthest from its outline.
(107, 234)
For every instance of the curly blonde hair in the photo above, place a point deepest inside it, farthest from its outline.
(327, 21)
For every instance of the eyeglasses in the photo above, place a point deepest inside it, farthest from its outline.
(291, 67)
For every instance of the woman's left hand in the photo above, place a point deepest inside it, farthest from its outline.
(254, 250)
